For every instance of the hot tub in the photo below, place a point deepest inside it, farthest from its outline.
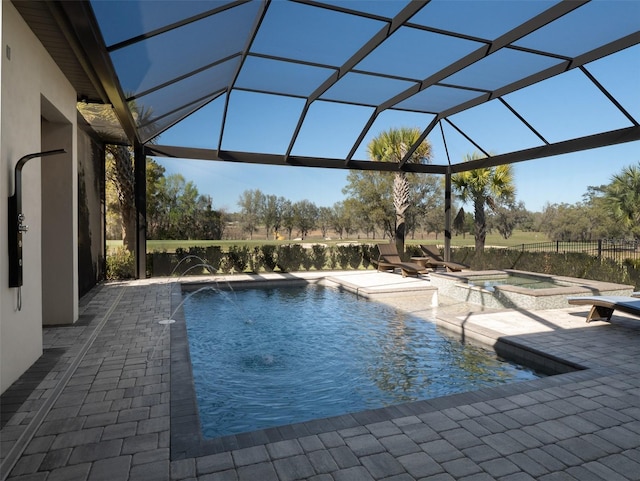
(513, 289)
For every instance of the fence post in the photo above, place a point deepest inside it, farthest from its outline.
(599, 249)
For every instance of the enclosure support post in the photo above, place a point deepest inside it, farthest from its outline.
(447, 215)
(140, 173)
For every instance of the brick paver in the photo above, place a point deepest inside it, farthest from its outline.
(103, 411)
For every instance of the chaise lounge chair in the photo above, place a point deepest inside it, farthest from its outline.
(602, 307)
(389, 260)
(435, 260)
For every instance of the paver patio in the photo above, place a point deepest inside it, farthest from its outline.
(98, 405)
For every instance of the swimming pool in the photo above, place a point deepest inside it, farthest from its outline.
(274, 356)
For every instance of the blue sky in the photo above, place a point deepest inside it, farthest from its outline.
(560, 108)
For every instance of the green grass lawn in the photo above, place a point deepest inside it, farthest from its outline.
(494, 239)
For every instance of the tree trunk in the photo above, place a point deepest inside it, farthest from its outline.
(125, 182)
(401, 204)
(480, 224)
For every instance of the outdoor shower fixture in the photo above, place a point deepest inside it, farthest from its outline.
(16, 220)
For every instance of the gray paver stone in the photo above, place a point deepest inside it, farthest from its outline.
(481, 453)
(102, 419)
(524, 438)
(441, 450)
(439, 477)
(583, 449)
(111, 469)
(499, 467)
(399, 445)
(322, 461)
(364, 445)
(331, 439)
(386, 428)
(79, 472)
(95, 451)
(213, 463)
(406, 420)
(517, 477)
(459, 468)
(357, 473)
(382, 465)
(254, 455)
(60, 426)
(533, 466)
(311, 443)
(153, 425)
(420, 433)
(293, 468)
(133, 414)
(120, 430)
(229, 475)
(350, 432)
(282, 449)
(620, 436)
(95, 408)
(55, 459)
(438, 421)
(503, 443)
(344, 457)
(261, 471)
(183, 468)
(461, 438)
(560, 454)
(583, 474)
(623, 465)
(77, 438)
(143, 442)
(27, 464)
(158, 471)
(420, 465)
(321, 477)
(402, 477)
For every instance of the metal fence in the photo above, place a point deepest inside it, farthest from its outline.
(615, 249)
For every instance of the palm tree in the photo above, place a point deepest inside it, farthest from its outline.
(622, 196)
(484, 187)
(391, 146)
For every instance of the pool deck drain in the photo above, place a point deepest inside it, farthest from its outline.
(112, 419)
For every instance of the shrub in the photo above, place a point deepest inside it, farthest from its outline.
(349, 256)
(238, 257)
(368, 253)
(214, 255)
(289, 257)
(307, 259)
(267, 257)
(160, 263)
(319, 256)
(120, 264)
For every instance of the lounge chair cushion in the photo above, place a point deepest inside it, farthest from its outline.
(389, 260)
(435, 260)
(602, 307)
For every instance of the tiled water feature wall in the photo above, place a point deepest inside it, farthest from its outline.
(463, 286)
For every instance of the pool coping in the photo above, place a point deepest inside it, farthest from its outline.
(188, 441)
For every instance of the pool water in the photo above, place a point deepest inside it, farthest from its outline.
(269, 357)
(528, 282)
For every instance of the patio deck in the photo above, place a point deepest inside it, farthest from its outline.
(98, 406)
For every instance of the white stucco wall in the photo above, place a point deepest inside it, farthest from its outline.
(28, 75)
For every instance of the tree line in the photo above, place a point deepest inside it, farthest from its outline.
(376, 204)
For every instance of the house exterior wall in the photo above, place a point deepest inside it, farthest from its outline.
(34, 91)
